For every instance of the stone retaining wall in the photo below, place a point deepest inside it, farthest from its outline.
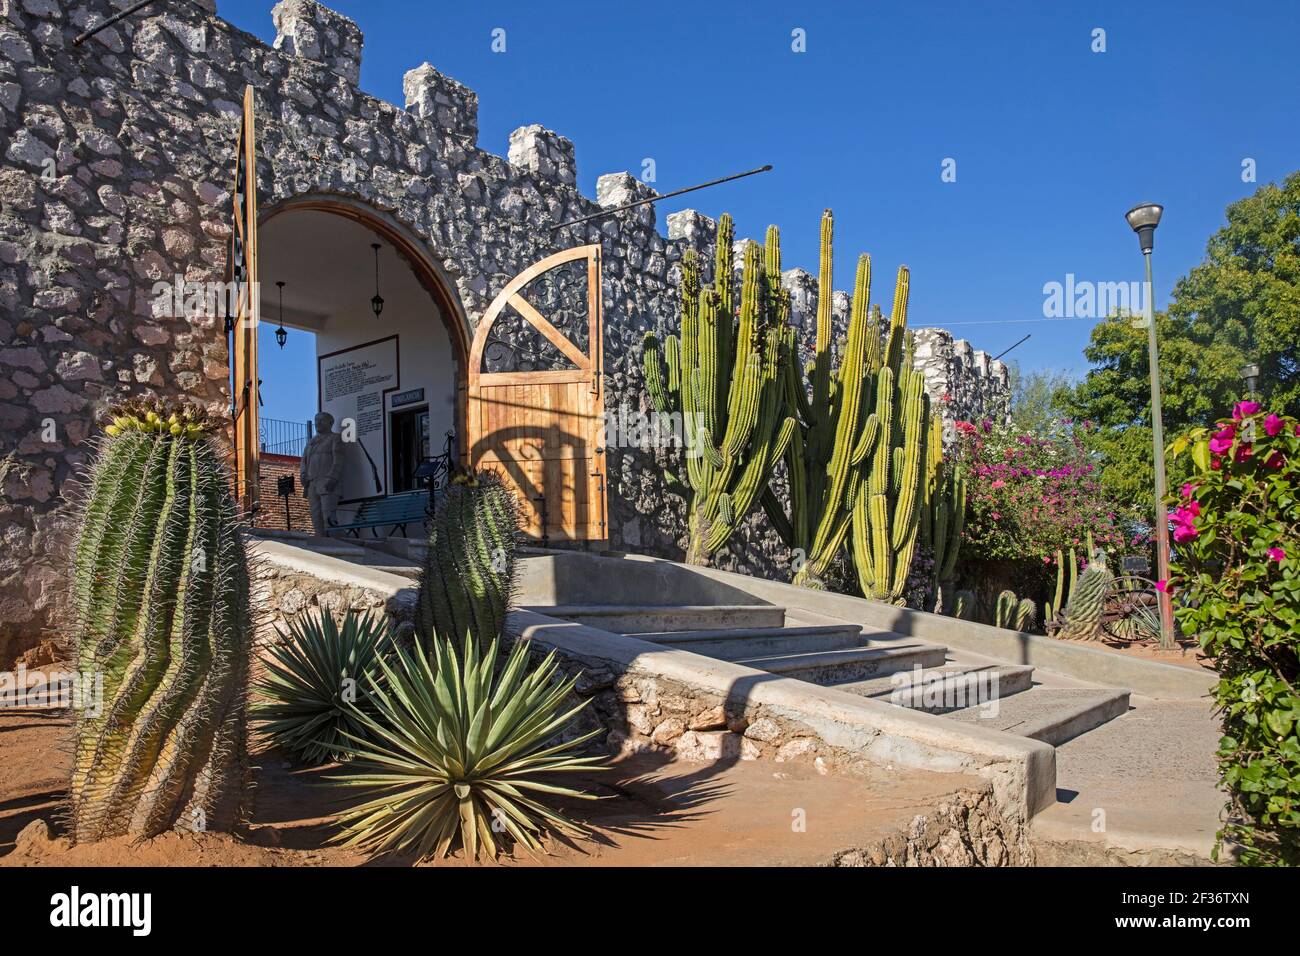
(116, 160)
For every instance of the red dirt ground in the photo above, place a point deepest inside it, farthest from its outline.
(654, 813)
(1188, 653)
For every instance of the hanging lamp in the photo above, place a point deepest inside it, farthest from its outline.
(281, 336)
(376, 303)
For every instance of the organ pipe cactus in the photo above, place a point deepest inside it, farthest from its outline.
(160, 613)
(858, 459)
(467, 582)
(886, 509)
(1054, 607)
(724, 377)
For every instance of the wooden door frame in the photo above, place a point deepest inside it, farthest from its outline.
(589, 367)
(244, 381)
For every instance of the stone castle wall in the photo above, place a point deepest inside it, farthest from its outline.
(116, 159)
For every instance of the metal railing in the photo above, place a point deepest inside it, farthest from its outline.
(279, 437)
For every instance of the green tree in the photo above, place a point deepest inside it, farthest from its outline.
(1035, 408)
(1241, 304)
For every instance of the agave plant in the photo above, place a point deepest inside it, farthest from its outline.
(316, 683)
(454, 753)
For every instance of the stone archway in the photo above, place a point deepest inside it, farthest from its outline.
(321, 243)
(412, 248)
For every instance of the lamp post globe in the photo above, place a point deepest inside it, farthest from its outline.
(1250, 375)
(1143, 219)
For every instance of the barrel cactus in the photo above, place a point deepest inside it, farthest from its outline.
(469, 570)
(160, 613)
(1087, 600)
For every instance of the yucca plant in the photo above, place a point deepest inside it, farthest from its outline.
(454, 753)
(317, 681)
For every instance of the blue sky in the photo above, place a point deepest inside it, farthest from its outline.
(1052, 141)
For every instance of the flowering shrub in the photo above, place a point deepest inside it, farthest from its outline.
(1029, 495)
(1236, 584)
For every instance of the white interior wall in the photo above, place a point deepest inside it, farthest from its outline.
(328, 267)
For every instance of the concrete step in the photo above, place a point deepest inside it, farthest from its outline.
(830, 668)
(743, 642)
(656, 618)
(939, 690)
(333, 547)
(1050, 714)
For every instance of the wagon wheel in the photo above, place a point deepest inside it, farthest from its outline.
(1132, 609)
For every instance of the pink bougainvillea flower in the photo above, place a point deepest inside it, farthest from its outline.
(1163, 585)
(1222, 439)
(1245, 409)
(1273, 424)
(1184, 533)
(1277, 554)
(998, 484)
(1244, 452)
(1188, 489)
(1275, 459)
(1216, 463)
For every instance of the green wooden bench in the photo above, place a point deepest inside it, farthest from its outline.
(393, 512)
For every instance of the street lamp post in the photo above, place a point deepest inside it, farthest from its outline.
(1250, 375)
(1143, 219)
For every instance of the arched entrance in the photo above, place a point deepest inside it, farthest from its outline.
(396, 379)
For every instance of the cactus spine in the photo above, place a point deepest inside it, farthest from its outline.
(724, 377)
(161, 614)
(466, 585)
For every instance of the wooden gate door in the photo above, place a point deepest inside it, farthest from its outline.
(535, 396)
(242, 326)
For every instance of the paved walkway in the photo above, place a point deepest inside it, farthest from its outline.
(1140, 790)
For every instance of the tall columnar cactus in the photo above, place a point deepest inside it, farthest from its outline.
(469, 571)
(946, 511)
(724, 375)
(859, 454)
(1052, 611)
(1088, 600)
(886, 508)
(161, 615)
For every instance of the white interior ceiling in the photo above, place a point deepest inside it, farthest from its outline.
(328, 269)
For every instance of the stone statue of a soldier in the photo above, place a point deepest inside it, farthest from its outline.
(322, 472)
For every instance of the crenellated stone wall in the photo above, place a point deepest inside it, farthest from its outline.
(116, 160)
